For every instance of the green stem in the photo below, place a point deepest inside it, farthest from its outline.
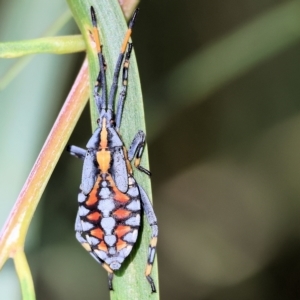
(24, 275)
(54, 45)
(13, 233)
(20, 64)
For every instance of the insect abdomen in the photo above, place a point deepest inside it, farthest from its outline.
(110, 220)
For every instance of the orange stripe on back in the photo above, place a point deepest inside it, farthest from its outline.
(120, 245)
(122, 230)
(103, 135)
(94, 216)
(103, 155)
(103, 159)
(97, 232)
(122, 213)
(93, 197)
(118, 196)
(102, 246)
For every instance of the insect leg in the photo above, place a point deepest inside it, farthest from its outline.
(149, 212)
(136, 150)
(114, 86)
(76, 151)
(110, 279)
(87, 247)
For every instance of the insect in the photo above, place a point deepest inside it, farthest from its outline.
(110, 200)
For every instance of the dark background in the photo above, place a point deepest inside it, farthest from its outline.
(225, 154)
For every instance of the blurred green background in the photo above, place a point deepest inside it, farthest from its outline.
(222, 99)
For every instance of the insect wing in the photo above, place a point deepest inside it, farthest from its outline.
(93, 142)
(119, 170)
(89, 172)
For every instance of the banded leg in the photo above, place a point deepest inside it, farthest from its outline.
(136, 150)
(152, 220)
(85, 244)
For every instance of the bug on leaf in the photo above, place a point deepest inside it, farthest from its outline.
(110, 200)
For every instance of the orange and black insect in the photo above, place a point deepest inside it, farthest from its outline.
(110, 200)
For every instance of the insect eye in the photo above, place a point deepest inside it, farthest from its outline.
(98, 120)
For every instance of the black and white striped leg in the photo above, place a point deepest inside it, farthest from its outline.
(152, 220)
(136, 150)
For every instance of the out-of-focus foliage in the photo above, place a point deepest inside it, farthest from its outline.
(225, 170)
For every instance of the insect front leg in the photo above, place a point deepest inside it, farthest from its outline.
(136, 150)
(152, 220)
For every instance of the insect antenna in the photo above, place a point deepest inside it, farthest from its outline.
(101, 78)
(114, 86)
(124, 87)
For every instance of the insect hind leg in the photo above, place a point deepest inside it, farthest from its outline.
(152, 220)
(136, 150)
